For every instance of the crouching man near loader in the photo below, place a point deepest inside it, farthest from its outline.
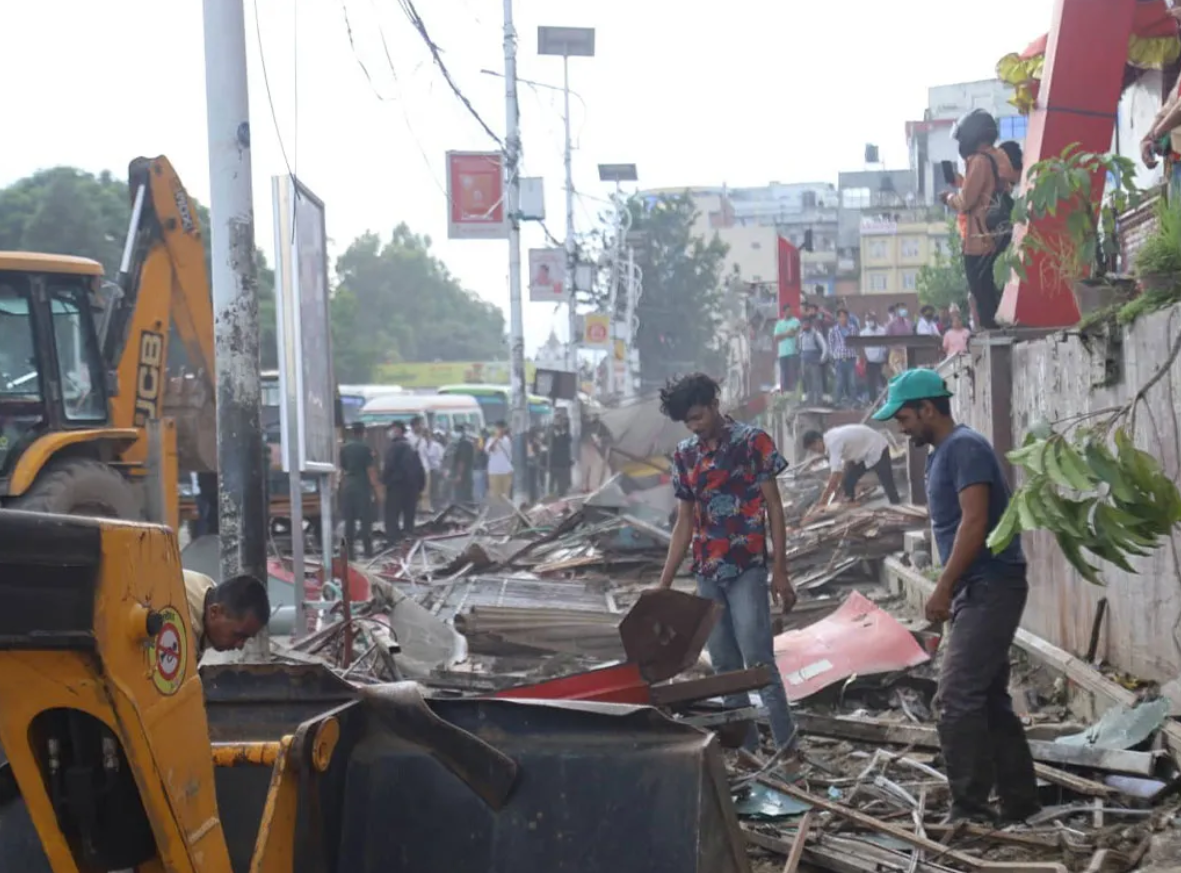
(982, 594)
(224, 617)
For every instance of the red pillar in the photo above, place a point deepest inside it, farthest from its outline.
(790, 279)
(1083, 75)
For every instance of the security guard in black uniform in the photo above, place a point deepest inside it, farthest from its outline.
(357, 488)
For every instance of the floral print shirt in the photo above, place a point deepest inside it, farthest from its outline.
(724, 486)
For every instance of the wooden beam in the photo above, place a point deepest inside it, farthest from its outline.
(872, 730)
(1076, 670)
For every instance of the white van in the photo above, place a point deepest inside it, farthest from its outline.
(445, 412)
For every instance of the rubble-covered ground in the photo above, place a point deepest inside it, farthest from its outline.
(477, 604)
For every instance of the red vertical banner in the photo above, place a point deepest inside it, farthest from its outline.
(475, 196)
(790, 281)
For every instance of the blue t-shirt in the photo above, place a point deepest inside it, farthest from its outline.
(964, 459)
(787, 345)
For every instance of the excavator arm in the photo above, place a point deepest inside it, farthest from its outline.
(164, 282)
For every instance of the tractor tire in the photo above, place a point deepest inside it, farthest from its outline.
(79, 486)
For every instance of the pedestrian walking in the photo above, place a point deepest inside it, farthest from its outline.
(500, 464)
(724, 479)
(405, 479)
(435, 450)
(981, 594)
(853, 450)
(359, 487)
(786, 331)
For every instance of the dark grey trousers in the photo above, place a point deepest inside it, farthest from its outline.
(983, 739)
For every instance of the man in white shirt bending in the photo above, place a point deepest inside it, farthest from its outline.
(853, 450)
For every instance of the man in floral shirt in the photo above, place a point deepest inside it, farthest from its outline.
(724, 477)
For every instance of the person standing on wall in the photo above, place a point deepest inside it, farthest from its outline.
(786, 330)
(813, 355)
(500, 464)
(404, 478)
(844, 359)
(981, 594)
(875, 357)
(358, 488)
(853, 450)
(989, 174)
(724, 479)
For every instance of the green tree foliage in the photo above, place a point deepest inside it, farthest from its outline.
(682, 292)
(67, 211)
(944, 281)
(397, 302)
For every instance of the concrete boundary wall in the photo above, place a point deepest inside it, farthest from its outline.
(1006, 384)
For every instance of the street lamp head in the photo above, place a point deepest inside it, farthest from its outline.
(570, 42)
(617, 173)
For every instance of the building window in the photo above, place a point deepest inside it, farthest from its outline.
(877, 249)
(1014, 127)
(879, 282)
(910, 247)
(910, 280)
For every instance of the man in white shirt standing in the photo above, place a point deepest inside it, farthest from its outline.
(875, 357)
(927, 325)
(500, 464)
(420, 440)
(853, 450)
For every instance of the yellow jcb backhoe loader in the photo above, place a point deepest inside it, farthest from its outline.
(86, 367)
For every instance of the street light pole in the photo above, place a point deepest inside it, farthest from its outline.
(568, 42)
(512, 156)
(571, 264)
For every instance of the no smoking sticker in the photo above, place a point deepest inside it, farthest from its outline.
(169, 653)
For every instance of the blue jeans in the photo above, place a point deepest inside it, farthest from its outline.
(479, 486)
(742, 639)
(846, 378)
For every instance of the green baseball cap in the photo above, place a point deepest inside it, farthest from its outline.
(911, 385)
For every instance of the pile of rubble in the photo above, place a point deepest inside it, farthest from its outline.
(531, 603)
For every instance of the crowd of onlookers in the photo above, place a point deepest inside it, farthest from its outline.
(817, 361)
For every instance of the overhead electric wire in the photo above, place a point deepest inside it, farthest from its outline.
(267, 85)
(420, 26)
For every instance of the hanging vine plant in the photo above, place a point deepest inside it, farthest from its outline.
(1100, 496)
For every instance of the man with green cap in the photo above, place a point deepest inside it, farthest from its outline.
(982, 594)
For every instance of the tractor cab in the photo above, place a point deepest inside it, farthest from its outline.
(52, 375)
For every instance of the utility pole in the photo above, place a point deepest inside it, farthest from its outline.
(242, 510)
(512, 156)
(571, 265)
(634, 277)
(619, 173)
(568, 42)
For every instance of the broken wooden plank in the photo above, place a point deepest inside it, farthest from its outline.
(872, 730)
(1074, 783)
(1075, 669)
(797, 845)
(719, 685)
(1050, 841)
(868, 821)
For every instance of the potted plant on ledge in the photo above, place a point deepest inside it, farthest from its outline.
(1078, 249)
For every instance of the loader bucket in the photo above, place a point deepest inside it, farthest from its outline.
(463, 785)
(192, 403)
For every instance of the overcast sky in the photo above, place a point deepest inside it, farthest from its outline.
(693, 92)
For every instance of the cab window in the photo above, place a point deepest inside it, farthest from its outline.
(79, 360)
(21, 406)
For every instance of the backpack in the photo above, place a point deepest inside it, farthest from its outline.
(998, 220)
(1016, 156)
